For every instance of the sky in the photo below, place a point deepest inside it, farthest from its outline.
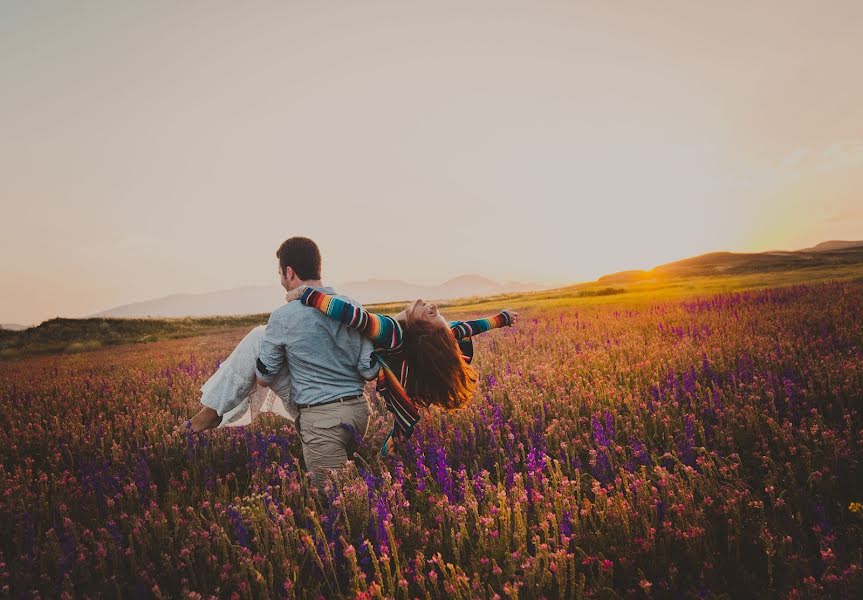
(155, 148)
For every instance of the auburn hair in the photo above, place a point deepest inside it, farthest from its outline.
(437, 372)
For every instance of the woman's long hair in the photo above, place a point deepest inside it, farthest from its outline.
(437, 372)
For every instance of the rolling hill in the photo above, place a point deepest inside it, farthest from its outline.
(738, 263)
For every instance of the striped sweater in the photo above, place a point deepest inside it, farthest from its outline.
(387, 335)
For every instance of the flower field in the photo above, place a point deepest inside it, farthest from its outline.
(706, 447)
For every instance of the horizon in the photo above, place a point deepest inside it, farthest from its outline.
(549, 144)
(538, 287)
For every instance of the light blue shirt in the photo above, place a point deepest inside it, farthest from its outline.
(326, 359)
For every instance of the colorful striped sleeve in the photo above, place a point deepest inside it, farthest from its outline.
(403, 408)
(383, 331)
(466, 329)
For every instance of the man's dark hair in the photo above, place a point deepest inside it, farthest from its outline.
(302, 255)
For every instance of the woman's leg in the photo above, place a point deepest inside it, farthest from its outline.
(231, 384)
(232, 398)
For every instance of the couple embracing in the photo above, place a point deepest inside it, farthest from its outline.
(317, 351)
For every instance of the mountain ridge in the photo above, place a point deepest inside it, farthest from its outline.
(263, 298)
(832, 245)
(731, 263)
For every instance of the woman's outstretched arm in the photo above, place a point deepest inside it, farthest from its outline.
(466, 329)
(385, 332)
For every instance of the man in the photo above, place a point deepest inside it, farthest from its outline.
(328, 365)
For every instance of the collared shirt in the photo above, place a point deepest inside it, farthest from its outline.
(327, 360)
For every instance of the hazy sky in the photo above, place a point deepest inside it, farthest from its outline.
(151, 148)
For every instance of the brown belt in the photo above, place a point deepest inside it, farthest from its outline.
(343, 399)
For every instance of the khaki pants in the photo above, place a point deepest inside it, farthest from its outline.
(330, 435)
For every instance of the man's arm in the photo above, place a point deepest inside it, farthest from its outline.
(272, 355)
(367, 365)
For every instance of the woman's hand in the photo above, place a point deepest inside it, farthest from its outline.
(295, 293)
(513, 316)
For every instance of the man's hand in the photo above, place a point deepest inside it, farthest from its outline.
(389, 444)
(295, 293)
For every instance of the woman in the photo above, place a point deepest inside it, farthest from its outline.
(424, 359)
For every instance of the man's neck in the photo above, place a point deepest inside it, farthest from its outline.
(312, 283)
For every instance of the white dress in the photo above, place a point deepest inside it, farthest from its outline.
(232, 391)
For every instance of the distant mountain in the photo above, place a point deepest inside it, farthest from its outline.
(832, 245)
(263, 299)
(464, 286)
(245, 300)
(13, 327)
(736, 263)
